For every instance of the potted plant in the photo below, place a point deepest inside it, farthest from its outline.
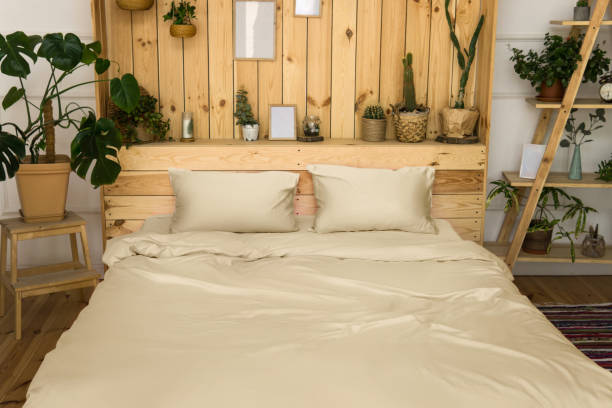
(594, 245)
(42, 180)
(409, 119)
(604, 171)
(144, 124)
(458, 123)
(374, 124)
(540, 233)
(582, 11)
(577, 135)
(181, 17)
(244, 117)
(135, 4)
(550, 70)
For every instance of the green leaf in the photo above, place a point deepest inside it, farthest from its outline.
(13, 95)
(13, 48)
(565, 143)
(64, 53)
(125, 92)
(96, 142)
(12, 151)
(102, 65)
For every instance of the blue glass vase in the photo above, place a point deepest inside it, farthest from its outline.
(575, 172)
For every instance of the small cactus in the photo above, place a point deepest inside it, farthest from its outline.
(410, 104)
(374, 112)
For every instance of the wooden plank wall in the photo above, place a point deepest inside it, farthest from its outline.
(332, 66)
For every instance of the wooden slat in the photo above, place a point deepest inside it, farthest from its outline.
(318, 95)
(468, 228)
(98, 23)
(171, 96)
(196, 73)
(368, 59)
(157, 183)
(579, 103)
(466, 20)
(418, 28)
(294, 60)
(117, 228)
(119, 39)
(220, 69)
(558, 254)
(589, 180)
(290, 156)
(144, 43)
(391, 53)
(344, 40)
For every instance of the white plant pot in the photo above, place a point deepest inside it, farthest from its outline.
(250, 132)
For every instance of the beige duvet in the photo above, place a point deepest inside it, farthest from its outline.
(347, 320)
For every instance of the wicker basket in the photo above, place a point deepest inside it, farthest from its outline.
(411, 127)
(182, 30)
(373, 130)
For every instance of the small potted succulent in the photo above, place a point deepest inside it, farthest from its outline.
(459, 122)
(604, 171)
(594, 245)
(374, 124)
(142, 125)
(181, 17)
(579, 134)
(244, 117)
(135, 4)
(582, 11)
(550, 70)
(540, 233)
(409, 119)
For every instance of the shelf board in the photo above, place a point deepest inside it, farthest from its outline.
(560, 180)
(558, 254)
(571, 23)
(580, 103)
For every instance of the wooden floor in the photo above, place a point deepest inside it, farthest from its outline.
(46, 317)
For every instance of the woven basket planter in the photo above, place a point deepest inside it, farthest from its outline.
(135, 4)
(182, 30)
(373, 130)
(411, 127)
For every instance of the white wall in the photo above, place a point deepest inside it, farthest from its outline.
(522, 23)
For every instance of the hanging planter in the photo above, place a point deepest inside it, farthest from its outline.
(181, 17)
(135, 4)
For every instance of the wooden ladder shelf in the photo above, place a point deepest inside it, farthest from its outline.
(511, 250)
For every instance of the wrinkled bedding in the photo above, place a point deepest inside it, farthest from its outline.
(370, 319)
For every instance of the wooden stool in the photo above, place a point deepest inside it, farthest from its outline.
(41, 280)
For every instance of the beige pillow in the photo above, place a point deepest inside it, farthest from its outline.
(352, 199)
(234, 202)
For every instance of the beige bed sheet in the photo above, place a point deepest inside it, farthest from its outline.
(375, 319)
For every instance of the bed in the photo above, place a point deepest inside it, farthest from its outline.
(349, 319)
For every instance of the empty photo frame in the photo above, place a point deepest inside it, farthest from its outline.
(530, 162)
(254, 29)
(283, 122)
(307, 8)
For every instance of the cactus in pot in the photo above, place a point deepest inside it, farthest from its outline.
(373, 124)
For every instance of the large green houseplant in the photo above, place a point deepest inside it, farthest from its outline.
(42, 180)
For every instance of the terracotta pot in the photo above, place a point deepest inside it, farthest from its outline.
(537, 242)
(182, 30)
(43, 188)
(459, 123)
(135, 4)
(554, 93)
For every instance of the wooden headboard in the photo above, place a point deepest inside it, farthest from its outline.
(143, 188)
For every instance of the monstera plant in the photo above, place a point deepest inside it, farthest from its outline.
(42, 180)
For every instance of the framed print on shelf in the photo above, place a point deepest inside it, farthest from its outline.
(254, 30)
(283, 122)
(530, 162)
(307, 8)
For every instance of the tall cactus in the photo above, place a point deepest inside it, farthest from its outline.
(409, 92)
(464, 61)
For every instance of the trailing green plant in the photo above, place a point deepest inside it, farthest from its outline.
(580, 134)
(558, 61)
(96, 142)
(465, 57)
(582, 3)
(604, 170)
(181, 14)
(374, 112)
(551, 199)
(145, 115)
(244, 112)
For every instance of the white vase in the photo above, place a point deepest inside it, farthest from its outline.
(250, 132)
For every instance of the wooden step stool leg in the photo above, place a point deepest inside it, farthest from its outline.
(3, 277)
(13, 281)
(18, 315)
(74, 249)
(85, 245)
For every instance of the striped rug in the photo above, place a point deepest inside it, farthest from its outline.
(589, 327)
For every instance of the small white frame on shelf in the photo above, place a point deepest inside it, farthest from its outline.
(283, 122)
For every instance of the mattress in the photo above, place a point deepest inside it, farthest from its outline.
(364, 319)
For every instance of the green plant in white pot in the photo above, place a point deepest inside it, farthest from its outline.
(244, 117)
(42, 180)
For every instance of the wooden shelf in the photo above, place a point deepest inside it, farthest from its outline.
(589, 180)
(54, 279)
(573, 23)
(325, 143)
(558, 254)
(581, 103)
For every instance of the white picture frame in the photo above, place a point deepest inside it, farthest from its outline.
(283, 122)
(254, 28)
(531, 159)
(307, 8)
